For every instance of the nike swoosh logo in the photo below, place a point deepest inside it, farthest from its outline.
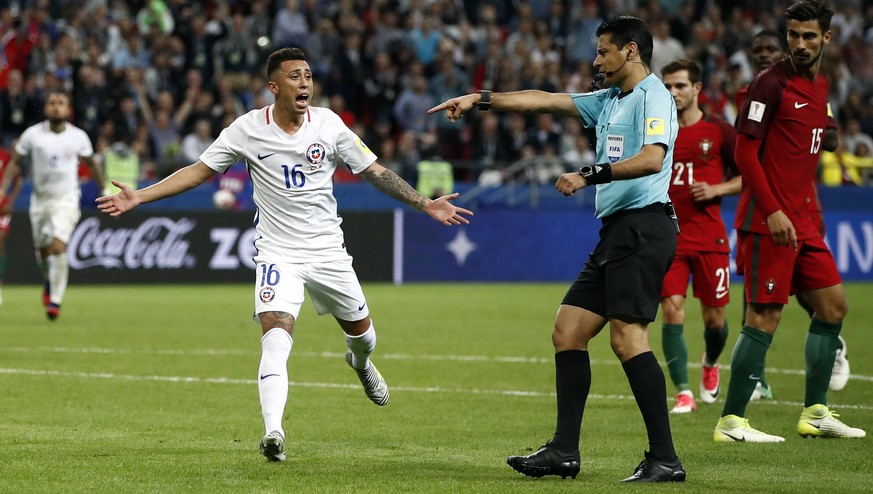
(740, 439)
(361, 307)
(264, 156)
(721, 294)
(264, 376)
(799, 105)
(754, 377)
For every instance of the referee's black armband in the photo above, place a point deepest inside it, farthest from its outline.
(597, 174)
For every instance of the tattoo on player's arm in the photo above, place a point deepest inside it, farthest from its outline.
(390, 184)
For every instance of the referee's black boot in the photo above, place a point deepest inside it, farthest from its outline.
(652, 470)
(547, 460)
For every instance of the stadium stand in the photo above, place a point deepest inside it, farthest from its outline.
(144, 74)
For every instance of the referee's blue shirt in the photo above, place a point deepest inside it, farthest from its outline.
(625, 123)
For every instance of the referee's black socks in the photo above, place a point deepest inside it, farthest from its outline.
(572, 383)
(650, 390)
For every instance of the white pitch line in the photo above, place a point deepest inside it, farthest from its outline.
(386, 356)
(411, 389)
(128, 351)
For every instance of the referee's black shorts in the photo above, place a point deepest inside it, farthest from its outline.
(623, 275)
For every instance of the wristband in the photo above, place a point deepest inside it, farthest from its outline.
(484, 100)
(597, 174)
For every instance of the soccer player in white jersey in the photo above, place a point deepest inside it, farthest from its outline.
(291, 150)
(54, 147)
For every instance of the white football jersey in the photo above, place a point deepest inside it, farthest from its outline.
(54, 162)
(292, 179)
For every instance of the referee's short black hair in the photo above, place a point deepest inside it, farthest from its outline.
(811, 10)
(277, 57)
(627, 28)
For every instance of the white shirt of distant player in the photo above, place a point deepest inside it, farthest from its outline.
(54, 162)
(292, 179)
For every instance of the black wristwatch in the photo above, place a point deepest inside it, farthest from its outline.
(597, 174)
(485, 100)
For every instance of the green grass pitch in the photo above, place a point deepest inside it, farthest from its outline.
(153, 389)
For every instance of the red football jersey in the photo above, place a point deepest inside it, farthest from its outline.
(703, 152)
(740, 98)
(789, 115)
(815, 203)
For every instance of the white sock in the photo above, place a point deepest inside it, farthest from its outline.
(362, 346)
(273, 377)
(58, 275)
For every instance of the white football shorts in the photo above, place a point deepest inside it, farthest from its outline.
(53, 220)
(333, 287)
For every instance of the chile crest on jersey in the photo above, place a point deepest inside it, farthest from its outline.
(315, 155)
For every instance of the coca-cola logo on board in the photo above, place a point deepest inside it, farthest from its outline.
(156, 243)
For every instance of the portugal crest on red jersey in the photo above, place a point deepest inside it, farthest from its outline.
(705, 146)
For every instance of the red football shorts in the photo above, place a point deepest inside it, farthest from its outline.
(709, 272)
(772, 273)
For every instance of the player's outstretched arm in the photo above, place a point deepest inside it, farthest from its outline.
(442, 210)
(390, 184)
(456, 107)
(127, 199)
(121, 202)
(527, 101)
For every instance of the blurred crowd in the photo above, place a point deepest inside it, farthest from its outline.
(157, 80)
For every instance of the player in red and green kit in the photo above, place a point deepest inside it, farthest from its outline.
(769, 48)
(780, 130)
(703, 160)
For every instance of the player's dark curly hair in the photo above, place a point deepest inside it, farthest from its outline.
(627, 28)
(811, 10)
(277, 57)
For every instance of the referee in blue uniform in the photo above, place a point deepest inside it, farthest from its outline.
(635, 120)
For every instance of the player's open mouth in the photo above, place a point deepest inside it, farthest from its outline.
(302, 99)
